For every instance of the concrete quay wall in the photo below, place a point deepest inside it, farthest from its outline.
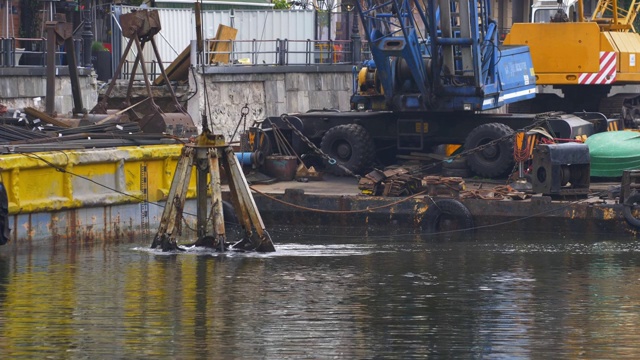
(20, 90)
(268, 91)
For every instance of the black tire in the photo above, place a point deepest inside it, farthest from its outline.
(4, 216)
(447, 215)
(351, 146)
(495, 160)
(632, 201)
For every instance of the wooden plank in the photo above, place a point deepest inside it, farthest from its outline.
(222, 49)
(178, 69)
(46, 118)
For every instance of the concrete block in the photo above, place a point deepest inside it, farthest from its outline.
(319, 100)
(317, 81)
(297, 81)
(344, 101)
(297, 101)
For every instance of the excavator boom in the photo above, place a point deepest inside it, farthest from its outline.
(438, 55)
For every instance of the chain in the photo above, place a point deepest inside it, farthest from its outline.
(243, 120)
(504, 138)
(542, 118)
(331, 161)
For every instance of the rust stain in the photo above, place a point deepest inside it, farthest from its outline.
(71, 225)
(419, 209)
(608, 214)
(116, 227)
(53, 228)
(28, 227)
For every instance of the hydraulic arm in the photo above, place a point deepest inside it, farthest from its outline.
(438, 55)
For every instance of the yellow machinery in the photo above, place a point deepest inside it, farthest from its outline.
(588, 61)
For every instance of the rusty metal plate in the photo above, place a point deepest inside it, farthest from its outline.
(141, 23)
(176, 124)
(64, 30)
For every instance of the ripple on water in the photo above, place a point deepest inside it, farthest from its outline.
(291, 249)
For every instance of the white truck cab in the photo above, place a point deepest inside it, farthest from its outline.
(542, 11)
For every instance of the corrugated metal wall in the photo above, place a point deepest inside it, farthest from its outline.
(178, 29)
(275, 24)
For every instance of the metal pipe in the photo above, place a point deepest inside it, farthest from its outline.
(580, 11)
(51, 67)
(87, 35)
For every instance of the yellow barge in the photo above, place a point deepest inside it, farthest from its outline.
(88, 194)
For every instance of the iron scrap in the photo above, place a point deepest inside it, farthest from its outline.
(499, 192)
(401, 182)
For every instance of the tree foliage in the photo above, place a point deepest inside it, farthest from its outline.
(29, 19)
(281, 5)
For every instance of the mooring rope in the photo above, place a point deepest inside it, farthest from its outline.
(299, 207)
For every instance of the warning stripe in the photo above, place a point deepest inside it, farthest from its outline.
(607, 73)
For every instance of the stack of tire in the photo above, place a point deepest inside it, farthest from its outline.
(457, 167)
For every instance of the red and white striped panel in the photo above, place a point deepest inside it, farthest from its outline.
(607, 73)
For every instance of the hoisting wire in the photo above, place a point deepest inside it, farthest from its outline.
(206, 120)
(338, 211)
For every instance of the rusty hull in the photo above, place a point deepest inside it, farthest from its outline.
(539, 213)
(115, 223)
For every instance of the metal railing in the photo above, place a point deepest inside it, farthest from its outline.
(279, 52)
(228, 52)
(152, 67)
(14, 52)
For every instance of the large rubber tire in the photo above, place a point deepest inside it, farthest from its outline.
(351, 146)
(447, 215)
(495, 160)
(456, 168)
(4, 216)
(633, 200)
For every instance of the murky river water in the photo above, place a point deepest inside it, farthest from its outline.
(522, 296)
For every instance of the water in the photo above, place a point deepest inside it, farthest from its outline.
(361, 296)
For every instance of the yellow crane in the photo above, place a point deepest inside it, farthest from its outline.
(586, 65)
(610, 17)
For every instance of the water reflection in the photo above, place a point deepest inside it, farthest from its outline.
(342, 296)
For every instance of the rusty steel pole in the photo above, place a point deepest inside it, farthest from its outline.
(87, 35)
(51, 67)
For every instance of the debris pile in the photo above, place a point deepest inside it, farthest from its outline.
(400, 182)
(29, 130)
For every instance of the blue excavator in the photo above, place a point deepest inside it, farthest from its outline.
(436, 75)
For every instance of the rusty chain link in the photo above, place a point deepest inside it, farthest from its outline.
(331, 161)
(543, 118)
(243, 120)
